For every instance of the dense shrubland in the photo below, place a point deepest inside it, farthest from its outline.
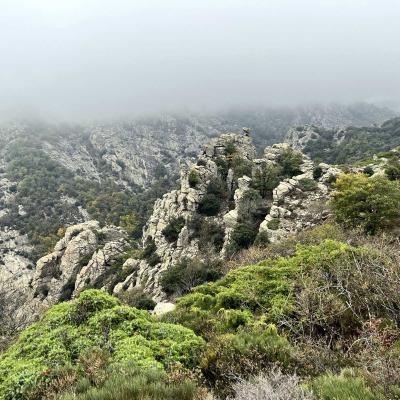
(91, 343)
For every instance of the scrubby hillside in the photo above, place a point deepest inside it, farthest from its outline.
(281, 275)
(345, 146)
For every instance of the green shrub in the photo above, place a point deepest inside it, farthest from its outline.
(230, 356)
(209, 205)
(241, 166)
(307, 185)
(149, 252)
(290, 162)
(266, 179)
(68, 331)
(371, 203)
(262, 239)
(343, 386)
(137, 298)
(193, 178)
(317, 173)
(230, 149)
(173, 229)
(368, 171)
(217, 187)
(207, 232)
(273, 224)
(243, 236)
(180, 278)
(393, 171)
(127, 382)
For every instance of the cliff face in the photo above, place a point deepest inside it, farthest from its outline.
(249, 197)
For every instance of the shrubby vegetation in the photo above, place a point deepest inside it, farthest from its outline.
(372, 203)
(182, 277)
(76, 342)
(358, 143)
(173, 229)
(319, 305)
(50, 196)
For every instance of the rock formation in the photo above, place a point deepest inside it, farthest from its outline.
(87, 256)
(296, 203)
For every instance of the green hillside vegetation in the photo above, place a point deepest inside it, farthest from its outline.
(43, 186)
(358, 143)
(76, 343)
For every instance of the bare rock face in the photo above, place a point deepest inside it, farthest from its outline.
(85, 257)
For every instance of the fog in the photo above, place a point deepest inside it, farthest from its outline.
(95, 58)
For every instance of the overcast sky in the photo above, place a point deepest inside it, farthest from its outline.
(99, 58)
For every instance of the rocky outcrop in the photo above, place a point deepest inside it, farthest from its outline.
(87, 256)
(229, 161)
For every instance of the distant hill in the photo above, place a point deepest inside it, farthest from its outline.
(339, 146)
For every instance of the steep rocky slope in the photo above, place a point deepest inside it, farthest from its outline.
(228, 199)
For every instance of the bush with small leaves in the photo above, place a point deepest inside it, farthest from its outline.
(317, 173)
(307, 185)
(173, 229)
(209, 205)
(273, 224)
(182, 277)
(393, 171)
(371, 203)
(70, 332)
(347, 385)
(243, 236)
(193, 178)
(290, 161)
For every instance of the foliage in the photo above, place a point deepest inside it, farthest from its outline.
(368, 171)
(95, 320)
(209, 205)
(130, 383)
(137, 298)
(317, 173)
(343, 386)
(193, 178)
(290, 161)
(207, 232)
(307, 185)
(243, 236)
(243, 354)
(180, 278)
(393, 171)
(372, 203)
(149, 252)
(230, 149)
(266, 178)
(273, 224)
(173, 229)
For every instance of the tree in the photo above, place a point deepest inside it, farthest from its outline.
(371, 203)
(290, 161)
(266, 179)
